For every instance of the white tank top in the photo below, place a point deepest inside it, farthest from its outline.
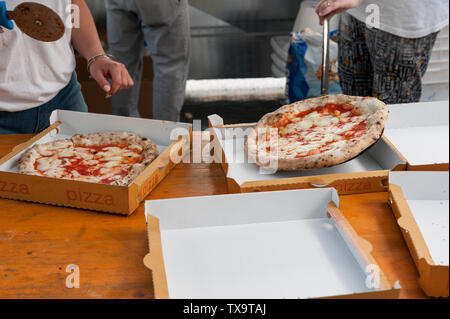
(33, 72)
(406, 18)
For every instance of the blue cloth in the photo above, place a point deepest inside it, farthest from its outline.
(305, 60)
(37, 119)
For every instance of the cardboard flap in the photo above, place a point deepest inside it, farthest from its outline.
(421, 206)
(422, 185)
(418, 114)
(19, 148)
(163, 133)
(161, 166)
(227, 243)
(386, 155)
(433, 279)
(358, 183)
(420, 132)
(393, 293)
(154, 259)
(180, 213)
(406, 222)
(215, 120)
(86, 195)
(159, 163)
(361, 248)
(321, 181)
(380, 158)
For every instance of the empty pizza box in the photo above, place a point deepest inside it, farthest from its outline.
(420, 133)
(420, 203)
(366, 173)
(281, 244)
(114, 199)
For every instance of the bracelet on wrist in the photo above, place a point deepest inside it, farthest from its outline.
(95, 57)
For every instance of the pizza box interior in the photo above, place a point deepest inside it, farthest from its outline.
(420, 132)
(115, 199)
(420, 202)
(246, 246)
(365, 173)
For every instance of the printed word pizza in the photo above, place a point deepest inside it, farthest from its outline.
(106, 158)
(317, 133)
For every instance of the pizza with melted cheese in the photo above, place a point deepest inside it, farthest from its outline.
(317, 133)
(106, 158)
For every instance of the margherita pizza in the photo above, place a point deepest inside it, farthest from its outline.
(106, 158)
(317, 133)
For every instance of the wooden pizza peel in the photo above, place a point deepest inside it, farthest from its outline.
(35, 20)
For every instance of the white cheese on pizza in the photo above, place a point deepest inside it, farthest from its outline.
(317, 133)
(106, 158)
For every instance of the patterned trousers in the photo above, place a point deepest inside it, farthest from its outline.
(376, 63)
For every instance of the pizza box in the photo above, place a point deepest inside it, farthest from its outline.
(367, 173)
(420, 203)
(420, 132)
(249, 246)
(107, 198)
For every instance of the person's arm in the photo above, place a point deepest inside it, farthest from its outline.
(329, 8)
(86, 41)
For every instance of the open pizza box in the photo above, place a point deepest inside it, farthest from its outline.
(368, 172)
(107, 198)
(281, 244)
(420, 202)
(420, 132)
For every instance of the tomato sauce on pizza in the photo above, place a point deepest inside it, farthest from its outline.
(105, 158)
(319, 132)
(316, 130)
(102, 163)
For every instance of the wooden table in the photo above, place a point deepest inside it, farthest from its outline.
(38, 242)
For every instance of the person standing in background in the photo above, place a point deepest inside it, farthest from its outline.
(388, 61)
(164, 26)
(37, 77)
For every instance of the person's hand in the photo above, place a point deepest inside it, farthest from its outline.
(102, 69)
(1, 30)
(326, 9)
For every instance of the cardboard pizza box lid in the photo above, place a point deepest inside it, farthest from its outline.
(367, 172)
(420, 202)
(170, 138)
(420, 132)
(248, 246)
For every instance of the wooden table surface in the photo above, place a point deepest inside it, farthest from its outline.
(38, 242)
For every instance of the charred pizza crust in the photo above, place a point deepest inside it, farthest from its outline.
(144, 146)
(375, 110)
